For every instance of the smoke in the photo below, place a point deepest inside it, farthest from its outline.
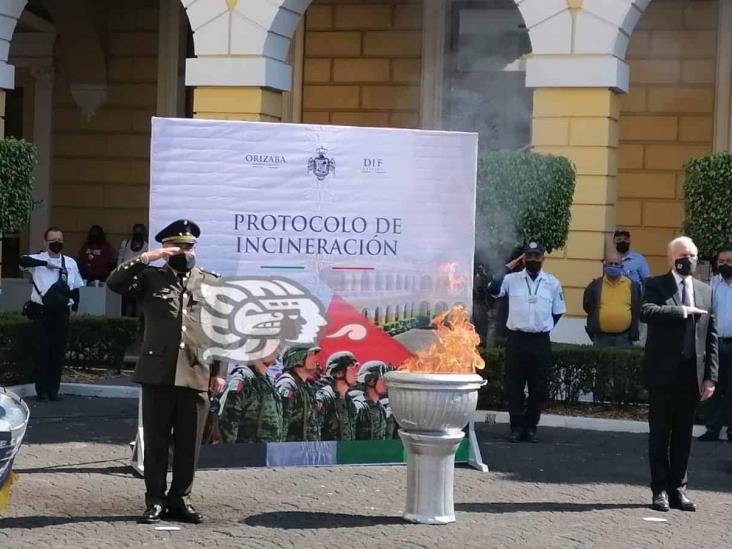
(485, 92)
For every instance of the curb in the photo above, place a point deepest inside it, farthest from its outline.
(81, 389)
(578, 422)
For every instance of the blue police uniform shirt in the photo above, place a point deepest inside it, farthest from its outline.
(722, 305)
(532, 304)
(635, 267)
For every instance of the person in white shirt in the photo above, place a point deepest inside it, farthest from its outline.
(56, 283)
(718, 411)
(535, 305)
(129, 249)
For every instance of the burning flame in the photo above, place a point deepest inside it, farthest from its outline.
(455, 282)
(456, 349)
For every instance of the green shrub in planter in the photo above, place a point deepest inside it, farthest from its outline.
(523, 196)
(613, 376)
(17, 160)
(708, 202)
(93, 342)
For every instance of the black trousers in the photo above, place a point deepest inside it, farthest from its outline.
(177, 414)
(528, 358)
(51, 330)
(671, 422)
(718, 410)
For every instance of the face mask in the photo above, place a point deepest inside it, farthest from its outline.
(533, 267)
(685, 265)
(622, 247)
(725, 271)
(613, 271)
(182, 262)
(56, 247)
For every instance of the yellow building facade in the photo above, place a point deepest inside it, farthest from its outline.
(628, 90)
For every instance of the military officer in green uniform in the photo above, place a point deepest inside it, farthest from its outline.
(302, 415)
(252, 407)
(175, 380)
(339, 410)
(372, 421)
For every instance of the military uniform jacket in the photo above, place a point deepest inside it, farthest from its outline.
(172, 345)
(300, 411)
(253, 409)
(371, 421)
(339, 414)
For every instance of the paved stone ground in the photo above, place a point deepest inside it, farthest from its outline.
(574, 489)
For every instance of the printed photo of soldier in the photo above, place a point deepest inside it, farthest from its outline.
(252, 406)
(339, 411)
(297, 389)
(374, 420)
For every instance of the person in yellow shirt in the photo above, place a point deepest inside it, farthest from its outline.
(612, 303)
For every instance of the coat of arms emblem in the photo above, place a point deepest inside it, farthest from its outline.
(321, 165)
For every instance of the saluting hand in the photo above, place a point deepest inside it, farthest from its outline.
(216, 385)
(511, 265)
(161, 253)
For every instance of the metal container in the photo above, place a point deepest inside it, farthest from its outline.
(14, 415)
(432, 410)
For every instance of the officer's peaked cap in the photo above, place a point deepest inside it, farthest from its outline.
(182, 230)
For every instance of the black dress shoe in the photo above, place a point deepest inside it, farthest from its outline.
(515, 436)
(679, 500)
(660, 502)
(530, 435)
(185, 513)
(152, 514)
(709, 436)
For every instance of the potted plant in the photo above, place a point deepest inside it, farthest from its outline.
(433, 397)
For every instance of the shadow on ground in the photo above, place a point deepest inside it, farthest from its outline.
(299, 520)
(500, 508)
(572, 456)
(40, 521)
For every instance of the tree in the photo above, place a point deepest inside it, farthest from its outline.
(708, 202)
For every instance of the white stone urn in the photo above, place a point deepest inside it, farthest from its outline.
(432, 410)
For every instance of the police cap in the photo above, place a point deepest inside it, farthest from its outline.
(183, 231)
(534, 248)
(621, 232)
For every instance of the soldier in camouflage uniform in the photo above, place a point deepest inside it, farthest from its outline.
(339, 411)
(301, 413)
(252, 407)
(374, 420)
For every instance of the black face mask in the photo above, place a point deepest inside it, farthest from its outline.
(685, 265)
(622, 247)
(725, 271)
(532, 267)
(182, 262)
(56, 247)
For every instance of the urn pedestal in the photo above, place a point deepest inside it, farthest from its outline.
(432, 410)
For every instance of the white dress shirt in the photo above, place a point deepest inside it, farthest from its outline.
(44, 278)
(686, 280)
(532, 304)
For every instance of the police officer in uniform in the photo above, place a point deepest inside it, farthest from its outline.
(536, 304)
(174, 379)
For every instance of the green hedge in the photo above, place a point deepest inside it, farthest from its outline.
(611, 375)
(708, 202)
(17, 161)
(93, 342)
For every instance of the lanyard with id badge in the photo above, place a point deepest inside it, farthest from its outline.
(533, 298)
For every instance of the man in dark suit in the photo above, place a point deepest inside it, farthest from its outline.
(680, 368)
(175, 381)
